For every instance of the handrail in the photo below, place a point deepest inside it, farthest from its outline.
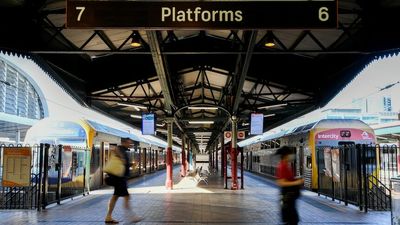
(380, 182)
(378, 192)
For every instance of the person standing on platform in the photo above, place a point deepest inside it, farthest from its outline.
(290, 186)
(120, 183)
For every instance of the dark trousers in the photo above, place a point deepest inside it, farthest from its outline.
(288, 210)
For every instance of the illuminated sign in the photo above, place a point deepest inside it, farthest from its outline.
(257, 123)
(298, 14)
(148, 123)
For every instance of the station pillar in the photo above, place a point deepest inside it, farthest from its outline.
(211, 157)
(169, 182)
(222, 154)
(190, 156)
(233, 153)
(216, 156)
(183, 166)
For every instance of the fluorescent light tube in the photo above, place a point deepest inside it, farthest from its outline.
(201, 107)
(201, 122)
(272, 106)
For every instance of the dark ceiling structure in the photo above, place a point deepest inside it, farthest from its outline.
(231, 69)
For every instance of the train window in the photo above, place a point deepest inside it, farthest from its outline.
(308, 162)
(256, 158)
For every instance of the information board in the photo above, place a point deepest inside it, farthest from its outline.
(148, 123)
(300, 14)
(16, 167)
(256, 123)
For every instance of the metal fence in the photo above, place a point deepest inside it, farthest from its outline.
(57, 173)
(25, 197)
(357, 174)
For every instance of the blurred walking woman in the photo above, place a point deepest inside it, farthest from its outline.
(118, 172)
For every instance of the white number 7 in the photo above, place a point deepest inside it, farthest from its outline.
(81, 8)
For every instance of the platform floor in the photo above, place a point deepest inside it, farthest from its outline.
(190, 204)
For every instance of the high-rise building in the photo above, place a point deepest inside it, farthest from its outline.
(387, 104)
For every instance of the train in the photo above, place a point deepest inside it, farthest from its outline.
(87, 146)
(321, 139)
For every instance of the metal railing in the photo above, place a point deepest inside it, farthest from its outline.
(378, 194)
(57, 173)
(357, 174)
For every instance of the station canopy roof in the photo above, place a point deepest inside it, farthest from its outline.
(231, 69)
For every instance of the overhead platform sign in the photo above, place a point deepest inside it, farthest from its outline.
(274, 14)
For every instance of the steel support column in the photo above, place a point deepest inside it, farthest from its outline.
(222, 154)
(216, 156)
(233, 153)
(145, 160)
(183, 161)
(156, 160)
(169, 182)
(190, 155)
(212, 156)
(187, 146)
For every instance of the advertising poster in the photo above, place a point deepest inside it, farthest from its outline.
(16, 167)
(332, 163)
(67, 164)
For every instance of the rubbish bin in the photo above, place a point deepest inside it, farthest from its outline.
(395, 183)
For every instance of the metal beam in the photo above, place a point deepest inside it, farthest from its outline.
(103, 36)
(207, 86)
(124, 86)
(124, 52)
(162, 71)
(241, 70)
(202, 118)
(154, 97)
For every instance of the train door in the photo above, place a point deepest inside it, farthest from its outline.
(349, 167)
(107, 154)
(251, 161)
(301, 160)
(104, 151)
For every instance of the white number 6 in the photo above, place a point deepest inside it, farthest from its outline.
(81, 8)
(323, 14)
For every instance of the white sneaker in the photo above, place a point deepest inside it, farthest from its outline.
(135, 219)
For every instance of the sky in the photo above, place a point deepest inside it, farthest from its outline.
(367, 84)
(380, 73)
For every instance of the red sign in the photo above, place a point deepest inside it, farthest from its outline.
(241, 135)
(227, 136)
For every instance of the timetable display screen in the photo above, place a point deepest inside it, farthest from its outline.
(148, 123)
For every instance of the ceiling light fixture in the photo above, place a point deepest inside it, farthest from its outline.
(136, 116)
(269, 115)
(136, 40)
(137, 107)
(201, 122)
(272, 106)
(202, 107)
(269, 40)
